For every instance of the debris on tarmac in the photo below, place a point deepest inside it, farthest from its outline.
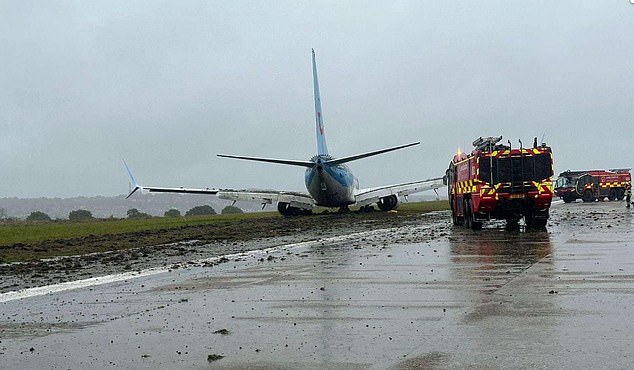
(214, 357)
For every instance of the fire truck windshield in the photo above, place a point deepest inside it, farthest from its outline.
(564, 182)
(536, 167)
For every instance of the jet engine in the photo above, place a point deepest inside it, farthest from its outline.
(285, 209)
(388, 203)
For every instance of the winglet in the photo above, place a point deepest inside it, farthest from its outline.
(132, 179)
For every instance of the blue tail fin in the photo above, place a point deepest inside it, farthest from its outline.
(322, 148)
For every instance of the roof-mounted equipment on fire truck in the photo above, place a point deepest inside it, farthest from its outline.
(620, 170)
(486, 144)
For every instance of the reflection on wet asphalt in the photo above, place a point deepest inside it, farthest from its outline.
(428, 295)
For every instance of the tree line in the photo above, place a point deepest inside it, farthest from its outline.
(133, 213)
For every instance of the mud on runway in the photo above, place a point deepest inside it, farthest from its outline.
(420, 294)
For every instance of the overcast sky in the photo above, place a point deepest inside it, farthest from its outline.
(168, 85)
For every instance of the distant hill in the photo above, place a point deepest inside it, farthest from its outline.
(117, 206)
(153, 204)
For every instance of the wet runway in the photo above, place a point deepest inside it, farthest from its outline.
(454, 298)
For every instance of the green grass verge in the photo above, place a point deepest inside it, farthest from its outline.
(423, 207)
(30, 232)
(33, 232)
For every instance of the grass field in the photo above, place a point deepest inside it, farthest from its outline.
(22, 240)
(29, 232)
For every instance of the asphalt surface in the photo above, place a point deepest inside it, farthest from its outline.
(421, 295)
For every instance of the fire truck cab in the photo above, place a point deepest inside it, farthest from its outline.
(498, 182)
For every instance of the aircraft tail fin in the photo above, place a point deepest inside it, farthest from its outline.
(322, 148)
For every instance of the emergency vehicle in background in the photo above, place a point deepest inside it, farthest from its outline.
(496, 181)
(593, 184)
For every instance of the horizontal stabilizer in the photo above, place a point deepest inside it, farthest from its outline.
(271, 160)
(369, 154)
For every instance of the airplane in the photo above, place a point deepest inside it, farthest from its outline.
(329, 182)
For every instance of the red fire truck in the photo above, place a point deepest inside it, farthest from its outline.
(496, 181)
(593, 184)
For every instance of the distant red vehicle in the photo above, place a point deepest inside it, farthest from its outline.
(498, 182)
(593, 185)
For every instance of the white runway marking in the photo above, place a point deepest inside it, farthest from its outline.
(101, 280)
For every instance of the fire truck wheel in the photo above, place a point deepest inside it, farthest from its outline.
(476, 225)
(620, 194)
(539, 224)
(568, 198)
(456, 220)
(512, 223)
(466, 214)
(469, 216)
(536, 219)
(612, 194)
(588, 196)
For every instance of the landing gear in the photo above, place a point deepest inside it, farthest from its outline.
(344, 209)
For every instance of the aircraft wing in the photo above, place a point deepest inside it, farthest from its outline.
(154, 189)
(372, 195)
(294, 199)
(264, 197)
